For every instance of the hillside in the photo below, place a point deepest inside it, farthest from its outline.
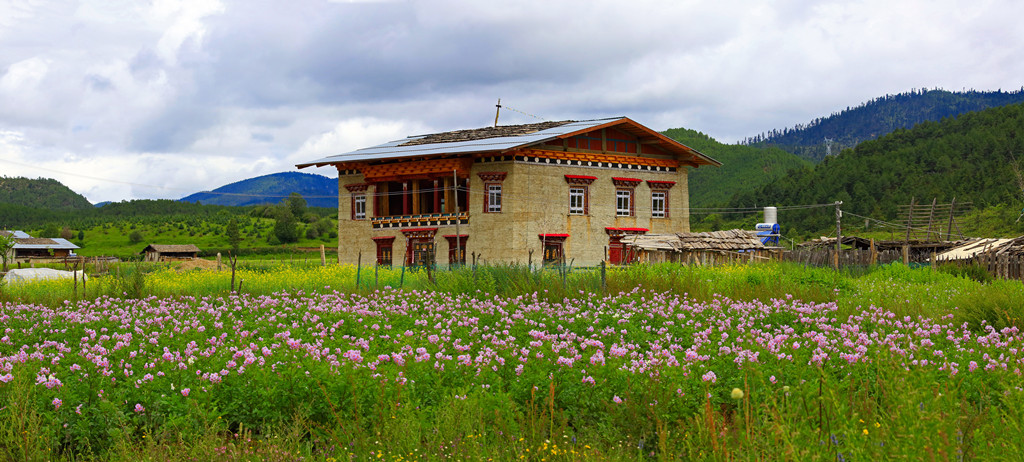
(743, 167)
(40, 193)
(318, 190)
(878, 117)
(968, 157)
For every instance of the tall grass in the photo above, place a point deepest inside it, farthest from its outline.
(904, 291)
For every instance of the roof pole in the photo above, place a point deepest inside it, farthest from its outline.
(496, 112)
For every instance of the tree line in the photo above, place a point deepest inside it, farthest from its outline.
(882, 115)
(969, 157)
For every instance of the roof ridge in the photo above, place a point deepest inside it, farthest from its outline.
(474, 134)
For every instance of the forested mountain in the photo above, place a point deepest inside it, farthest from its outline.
(318, 190)
(743, 167)
(44, 193)
(878, 117)
(969, 157)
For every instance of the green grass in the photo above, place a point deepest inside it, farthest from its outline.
(112, 238)
(791, 410)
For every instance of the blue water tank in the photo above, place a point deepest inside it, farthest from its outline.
(768, 233)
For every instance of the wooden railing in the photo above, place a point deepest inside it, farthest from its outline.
(426, 219)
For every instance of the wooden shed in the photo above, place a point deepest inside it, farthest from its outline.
(696, 248)
(158, 252)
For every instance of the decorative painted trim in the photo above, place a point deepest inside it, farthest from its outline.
(384, 239)
(493, 177)
(431, 220)
(584, 180)
(579, 163)
(616, 231)
(626, 182)
(358, 187)
(658, 185)
(552, 237)
(419, 233)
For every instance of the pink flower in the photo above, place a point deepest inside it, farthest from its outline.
(139, 408)
(617, 400)
(56, 403)
(185, 391)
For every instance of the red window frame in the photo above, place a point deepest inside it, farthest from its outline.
(629, 195)
(456, 245)
(555, 244)
(487, 197)
(664, 205)
(660, 187)
(580, 181)
(356, 191)
(493, 179)
(355, 200)
(385, 250)
(586, 199)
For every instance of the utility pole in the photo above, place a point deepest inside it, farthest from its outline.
(458, 235)
(839, 232)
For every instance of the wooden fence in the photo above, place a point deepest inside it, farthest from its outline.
(1000, 266)
(850, 257)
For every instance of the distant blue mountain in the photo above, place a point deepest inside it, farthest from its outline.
(318, 190)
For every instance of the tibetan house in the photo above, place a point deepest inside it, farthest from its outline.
(551, 192)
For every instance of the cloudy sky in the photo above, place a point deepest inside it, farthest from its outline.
(124, 99)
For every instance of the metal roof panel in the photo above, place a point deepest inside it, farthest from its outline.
(394, 149)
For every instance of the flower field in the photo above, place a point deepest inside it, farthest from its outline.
(421, 374)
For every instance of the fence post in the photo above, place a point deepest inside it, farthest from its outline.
(604, 280)
(906, 254)
(359, 267)
(323, 256)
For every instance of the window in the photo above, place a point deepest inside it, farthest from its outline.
(554, 248)
(422, 253)
(577, 200)
(493, 198)
(358, 195)
(384, 250)
(624, 188)
(624, 202)
(419, 249)
(456, 249)
(659, 204)
(359, 207)
(492, 187)
(659, 197)
(579, 193)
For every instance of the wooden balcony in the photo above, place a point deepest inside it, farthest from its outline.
(422, 220)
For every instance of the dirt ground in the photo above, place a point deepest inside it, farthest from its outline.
(198, 263)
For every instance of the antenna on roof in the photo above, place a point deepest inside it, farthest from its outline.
(498, 111)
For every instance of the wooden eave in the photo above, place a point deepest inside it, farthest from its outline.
(644, 135)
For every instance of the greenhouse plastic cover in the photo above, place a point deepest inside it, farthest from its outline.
(15, 276)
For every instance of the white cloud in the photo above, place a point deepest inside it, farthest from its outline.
(186, 95)
(351, 134)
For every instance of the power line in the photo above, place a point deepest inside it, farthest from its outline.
(531, 200)
(108, 180)
(523, 113)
